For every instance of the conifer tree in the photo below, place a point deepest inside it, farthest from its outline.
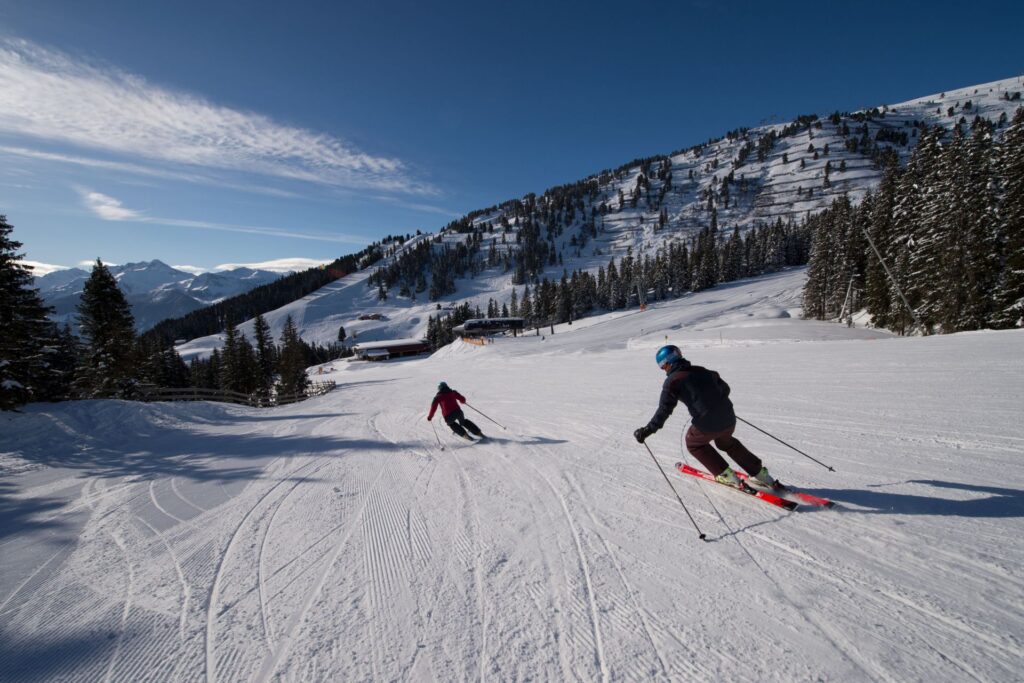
(845, 234)
(62, 354)
(974, 275)
(239, 369)
(526, 308)
(105, 320)
(732, 257)
(229, 370)
(291, 367)
(1009, 293)
(877, 288)
(211, 379)
(927, 230)
(28, 341)
(159, 364)
(265, 355)
(816, 287)
(247, 366)
(564, 300)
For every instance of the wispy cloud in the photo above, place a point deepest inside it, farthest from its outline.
(52, 97)
(141, 169)
(281, 265)
(39, 269)
(111, 209)
(417, 206)
(108, 208)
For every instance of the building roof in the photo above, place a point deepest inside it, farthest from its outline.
(366, 346)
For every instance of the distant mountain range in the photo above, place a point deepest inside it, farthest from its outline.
(154, 289)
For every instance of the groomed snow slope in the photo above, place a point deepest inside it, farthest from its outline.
(334, 540)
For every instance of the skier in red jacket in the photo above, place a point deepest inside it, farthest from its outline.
(449, 400)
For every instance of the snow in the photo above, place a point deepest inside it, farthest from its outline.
(387, 344)
(776, 189)
(335, 540)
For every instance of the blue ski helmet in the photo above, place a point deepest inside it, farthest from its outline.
(668, 356)
(443, 386)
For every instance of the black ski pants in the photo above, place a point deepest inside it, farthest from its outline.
(459, 423)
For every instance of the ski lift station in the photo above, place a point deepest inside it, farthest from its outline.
(482, 326)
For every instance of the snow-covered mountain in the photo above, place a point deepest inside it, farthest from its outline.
(155, 290)
(334, 540)
(771, 172)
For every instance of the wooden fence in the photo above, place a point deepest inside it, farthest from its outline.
(225, 396)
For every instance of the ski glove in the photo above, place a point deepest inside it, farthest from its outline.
(642, 433)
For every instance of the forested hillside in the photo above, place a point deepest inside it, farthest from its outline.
(950, 228)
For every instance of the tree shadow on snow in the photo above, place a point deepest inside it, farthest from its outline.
(45, 658)
(20, 515)
(999, 503)
(277, 418)
(193, 455)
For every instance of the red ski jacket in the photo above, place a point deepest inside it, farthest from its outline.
(449, 402)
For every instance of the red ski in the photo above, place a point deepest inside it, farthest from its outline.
(783, 491)
(763, 495)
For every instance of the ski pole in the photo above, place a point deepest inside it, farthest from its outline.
(494, 421)
(703, 537)
(435, 434)
(829, 468)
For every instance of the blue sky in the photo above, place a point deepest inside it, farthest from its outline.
(206, 134)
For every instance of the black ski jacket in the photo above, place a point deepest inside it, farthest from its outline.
(705, 394)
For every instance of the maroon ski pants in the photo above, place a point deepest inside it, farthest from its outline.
(699, 444)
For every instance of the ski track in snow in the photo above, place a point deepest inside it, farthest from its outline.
(335, 539)
(585, 570)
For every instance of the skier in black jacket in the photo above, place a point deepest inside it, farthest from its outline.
(706, 396)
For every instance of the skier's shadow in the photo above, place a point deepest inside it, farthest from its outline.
(999, 502)
(526, 440)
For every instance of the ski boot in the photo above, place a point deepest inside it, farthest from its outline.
(729, 478)
(763, 480)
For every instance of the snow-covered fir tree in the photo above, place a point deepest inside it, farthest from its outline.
(291, 367)
(266, 355)
(31, 366)
(107, 367)
(239, 371)
(949, 228)
(1009, 295)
